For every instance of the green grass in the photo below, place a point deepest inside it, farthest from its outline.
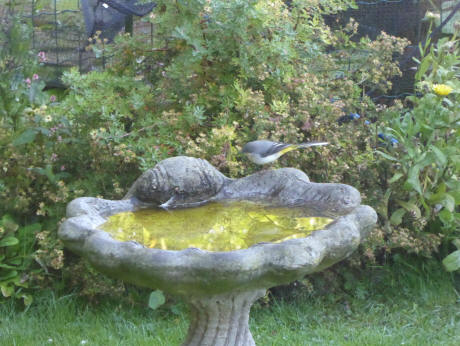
(393, 308)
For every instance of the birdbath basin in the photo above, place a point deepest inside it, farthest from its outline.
(221, 242)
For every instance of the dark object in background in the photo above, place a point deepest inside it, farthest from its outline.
(402, 18)
(347, 118)
(109, 16)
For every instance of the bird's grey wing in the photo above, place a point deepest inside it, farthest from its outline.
(270, 148)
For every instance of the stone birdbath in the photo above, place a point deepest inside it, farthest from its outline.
(219, 286)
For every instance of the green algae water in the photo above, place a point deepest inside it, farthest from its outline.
(212, 227)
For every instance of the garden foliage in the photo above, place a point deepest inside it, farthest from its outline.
(19, 88)
(420, 208)
(216, 75)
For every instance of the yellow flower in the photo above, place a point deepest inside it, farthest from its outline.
(442, 89)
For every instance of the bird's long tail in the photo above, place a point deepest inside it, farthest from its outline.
(290, 147)
(311, 144)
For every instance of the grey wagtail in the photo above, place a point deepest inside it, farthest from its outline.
(263, 151)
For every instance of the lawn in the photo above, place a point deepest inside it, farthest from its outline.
(397, 307)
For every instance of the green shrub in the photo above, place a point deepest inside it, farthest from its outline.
(224, 73)
(16, 248)
(217, 75)
(20, 89)
(420, 207)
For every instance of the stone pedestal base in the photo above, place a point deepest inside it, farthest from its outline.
(221, 320)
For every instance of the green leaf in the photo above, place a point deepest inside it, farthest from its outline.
(156, 299)
(6, 266)
(383, 207)
(440, 157)
(456, 195)
(97, 51)
(15, 260)
(28, 136)
(44, 131)
(411, 207)
(7, 290)
(386, 156)
(439, 195)
(28, 299)
(8, 241)
(47, 171)
(413, 181)
(456, 242)
(423, 68)
(8, 276)
(455, 159)
(395, 177)
(30, 228)
(446, 216)
(452, 262)
(449, 202)
(9, 224)
(396, 217)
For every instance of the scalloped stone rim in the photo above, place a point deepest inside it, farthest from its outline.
(189, 271)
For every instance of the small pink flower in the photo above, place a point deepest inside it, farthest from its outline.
(41, 56)
(35, 76)
(53, 157)
(62, 168)
(52, 98)
(28, 82)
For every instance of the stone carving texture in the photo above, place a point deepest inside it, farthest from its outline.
(179, 180)
(219, 286)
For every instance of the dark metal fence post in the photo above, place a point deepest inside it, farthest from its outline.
(129, 25)
(56, 32)
(103, 45)
(151, 34)
(32, 16)
(10, 7)
(80, 46)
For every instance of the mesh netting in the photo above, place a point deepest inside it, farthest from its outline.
(61, 27)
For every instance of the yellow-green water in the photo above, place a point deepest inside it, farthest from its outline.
(212, 227)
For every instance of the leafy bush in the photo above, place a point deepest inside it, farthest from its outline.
(420, 207)
(219, 74)
(225, 73)
(16, 247)
(20, 89)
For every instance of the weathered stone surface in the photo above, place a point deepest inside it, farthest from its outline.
(189, 271)
(178, 181)
(203, 277)
(198, 272)
(291, 187)
(185, 181)
(222, 319)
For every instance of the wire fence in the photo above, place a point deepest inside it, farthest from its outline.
(59, 29)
